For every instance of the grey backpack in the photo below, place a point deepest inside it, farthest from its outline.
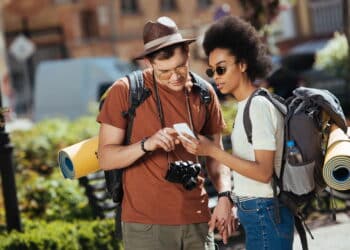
(308, 114)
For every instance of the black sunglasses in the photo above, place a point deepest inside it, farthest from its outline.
(220, 70)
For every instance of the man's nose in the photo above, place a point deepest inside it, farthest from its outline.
(174, 76)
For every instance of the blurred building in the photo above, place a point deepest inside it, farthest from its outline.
(59, 29)
(76, 28)
(310, 20)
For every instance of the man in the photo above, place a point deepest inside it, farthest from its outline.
(157, 213)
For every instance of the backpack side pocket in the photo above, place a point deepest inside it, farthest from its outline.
(299, 179)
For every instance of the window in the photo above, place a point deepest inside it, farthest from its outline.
(168, 5)
(202, 4)
(129, 7)
(89, 24)
(326, 16)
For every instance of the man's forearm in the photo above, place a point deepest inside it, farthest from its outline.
(119, 156)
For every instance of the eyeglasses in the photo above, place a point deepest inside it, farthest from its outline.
(220, 70)
(180, 71)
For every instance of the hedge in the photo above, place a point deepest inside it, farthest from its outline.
(60, 235)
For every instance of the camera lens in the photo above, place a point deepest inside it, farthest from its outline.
(197, 167)
(190, 183)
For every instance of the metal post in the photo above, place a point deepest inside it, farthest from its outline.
(8, 178)
(6, 164)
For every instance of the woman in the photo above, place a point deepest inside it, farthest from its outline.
(236, 58)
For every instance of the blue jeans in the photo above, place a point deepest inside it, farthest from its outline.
(261, 231)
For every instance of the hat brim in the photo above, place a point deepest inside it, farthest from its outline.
(161, 46)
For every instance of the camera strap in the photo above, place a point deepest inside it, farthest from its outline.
(159, 104)
(160, 109)
(161, 114)
(190, 116)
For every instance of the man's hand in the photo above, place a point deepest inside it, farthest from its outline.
(164, 138)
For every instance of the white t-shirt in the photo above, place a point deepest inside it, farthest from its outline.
(267, 134)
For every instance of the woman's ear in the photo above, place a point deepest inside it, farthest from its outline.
(242, 67)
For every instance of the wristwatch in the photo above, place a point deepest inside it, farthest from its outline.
(143, 145)
(227, 194)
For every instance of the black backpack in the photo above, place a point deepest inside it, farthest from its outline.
(308, 114)
(138, 93)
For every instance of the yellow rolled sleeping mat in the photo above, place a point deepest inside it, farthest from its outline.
(336, 168)
(79, 159)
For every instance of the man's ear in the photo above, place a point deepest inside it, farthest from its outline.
(147, 62)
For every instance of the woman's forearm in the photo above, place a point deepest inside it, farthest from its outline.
(251, 169)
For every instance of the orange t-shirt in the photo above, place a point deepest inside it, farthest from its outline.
(148, 197)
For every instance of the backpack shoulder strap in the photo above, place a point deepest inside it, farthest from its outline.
(137, 95)
(204, 93)
(276, 100)
(201, 84)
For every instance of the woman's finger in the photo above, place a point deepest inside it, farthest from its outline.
(190, 138)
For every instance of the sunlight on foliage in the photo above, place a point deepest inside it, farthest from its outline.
(229, 109)
(334, 57)
(43, 192)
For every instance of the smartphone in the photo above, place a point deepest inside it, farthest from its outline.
(182, 128)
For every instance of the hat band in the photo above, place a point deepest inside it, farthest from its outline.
(163, 39)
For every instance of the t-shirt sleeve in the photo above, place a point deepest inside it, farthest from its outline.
(114, 104)
(264, 125)
(215, 122)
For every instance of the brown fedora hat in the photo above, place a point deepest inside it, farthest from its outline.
(161, 34)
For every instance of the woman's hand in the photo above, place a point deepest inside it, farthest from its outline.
(226, 227)
(200, 146)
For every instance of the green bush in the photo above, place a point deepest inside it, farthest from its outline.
(36, 149)
(54, 198)
(97, 235)
(43, 192)
(59, 235)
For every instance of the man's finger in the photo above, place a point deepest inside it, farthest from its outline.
(211, 224)
(224, 236)
(230, 226)
(220, 225)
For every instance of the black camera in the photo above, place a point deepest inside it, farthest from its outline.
(184, 172)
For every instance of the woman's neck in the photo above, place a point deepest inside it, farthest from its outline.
(244, 90)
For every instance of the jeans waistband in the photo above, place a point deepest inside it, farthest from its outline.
(252, 199)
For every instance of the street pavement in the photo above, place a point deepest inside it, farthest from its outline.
(333, 236)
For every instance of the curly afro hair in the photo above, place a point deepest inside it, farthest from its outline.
(243, 42)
